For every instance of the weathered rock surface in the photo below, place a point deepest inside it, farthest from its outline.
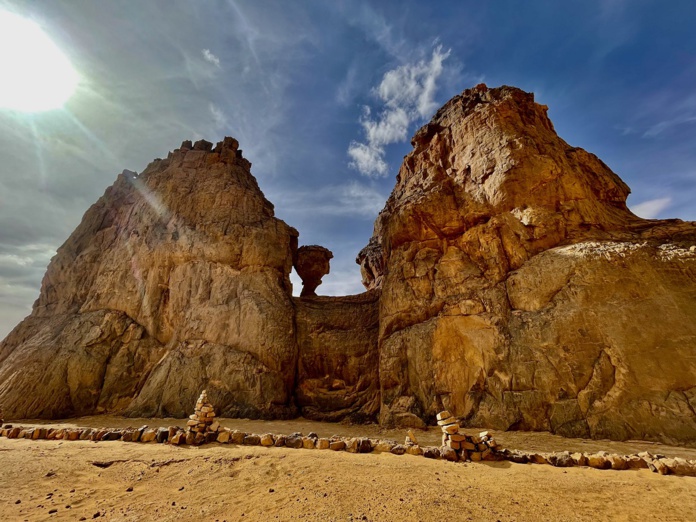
(176, 280)
(519, 292)
(312, 263)
(508, 283)
(338, 359)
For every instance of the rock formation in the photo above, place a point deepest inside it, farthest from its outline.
(337, 373)
(176, 280)
(312, 263)
(519, 292)
(508, 284)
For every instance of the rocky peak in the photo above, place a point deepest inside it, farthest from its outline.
(490, 159)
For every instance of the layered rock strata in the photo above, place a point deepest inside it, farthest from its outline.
(518, 290)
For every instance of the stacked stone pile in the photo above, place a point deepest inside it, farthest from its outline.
(466, 447)
(202, 426)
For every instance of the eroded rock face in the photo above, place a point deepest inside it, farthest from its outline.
(519, 292)
(508, 284)
(177, 280)
(312, 263)
(338, 359)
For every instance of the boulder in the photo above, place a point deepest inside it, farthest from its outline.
(311, 264)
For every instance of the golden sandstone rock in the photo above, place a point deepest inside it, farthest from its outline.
(508, 283)
(518, 290)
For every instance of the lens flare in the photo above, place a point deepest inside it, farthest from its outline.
(36, 75)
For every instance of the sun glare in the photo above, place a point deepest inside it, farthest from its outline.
(36, 75)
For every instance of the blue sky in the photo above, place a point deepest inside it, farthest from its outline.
(324, 97)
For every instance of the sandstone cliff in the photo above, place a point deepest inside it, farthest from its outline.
(508, 283)
(176, 280)
(519, 292)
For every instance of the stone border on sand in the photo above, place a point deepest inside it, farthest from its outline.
(485, 450)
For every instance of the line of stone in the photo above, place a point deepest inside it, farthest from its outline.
(202, 427)
(175, 435)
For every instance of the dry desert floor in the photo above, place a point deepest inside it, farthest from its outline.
(81, 480)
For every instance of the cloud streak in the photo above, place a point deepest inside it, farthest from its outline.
(406, 94)
(652, 208)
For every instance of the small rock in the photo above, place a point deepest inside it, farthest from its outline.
(399, 449)
(414, 450)
(518, 458)
(538, 458)
(383, 447)
(617, 462)
(431, 453)
(237, 437)
(579, 459)
(449, 454)
(267, 440)
(635, 462)
(293, 441)
(598, 461)
(680, 466)
(561, 460)
(252, 440)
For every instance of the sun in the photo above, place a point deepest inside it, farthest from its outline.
(36, 75)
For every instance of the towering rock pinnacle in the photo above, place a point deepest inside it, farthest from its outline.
(177, 279)
(518, 291)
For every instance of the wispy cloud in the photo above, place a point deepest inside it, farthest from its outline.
(652, 208)
(350, 199)
(209, 57)
(219, 117)
(664, 125)
(407, 94)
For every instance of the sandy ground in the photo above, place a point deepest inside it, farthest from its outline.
(228, 482)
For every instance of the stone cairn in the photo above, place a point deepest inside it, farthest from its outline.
(202, 426)
(466, 447)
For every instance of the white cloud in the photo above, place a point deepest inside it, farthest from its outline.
(368, 159)
(651, 209)
(209, 57)
(407, 94)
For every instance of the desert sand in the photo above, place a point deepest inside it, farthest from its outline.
(131, 481)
